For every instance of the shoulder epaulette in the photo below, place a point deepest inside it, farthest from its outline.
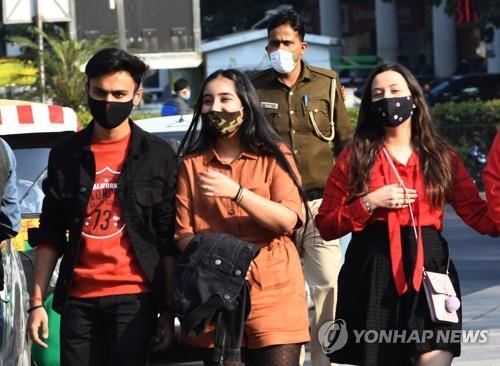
(330, 73)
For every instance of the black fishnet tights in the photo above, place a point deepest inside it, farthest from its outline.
(281, 355)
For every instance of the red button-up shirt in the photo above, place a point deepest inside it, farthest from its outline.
(338, 215)
(491, 178)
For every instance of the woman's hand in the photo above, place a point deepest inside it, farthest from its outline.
(215, 184)
(391, 196)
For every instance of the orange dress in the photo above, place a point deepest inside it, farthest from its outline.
(279, 308)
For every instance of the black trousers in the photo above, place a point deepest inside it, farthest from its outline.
(108, 331)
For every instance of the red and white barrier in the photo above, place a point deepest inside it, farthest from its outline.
(36, 118)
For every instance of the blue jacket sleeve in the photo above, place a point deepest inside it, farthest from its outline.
(10, 213)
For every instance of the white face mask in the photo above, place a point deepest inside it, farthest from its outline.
(282, 61)
(186, 95)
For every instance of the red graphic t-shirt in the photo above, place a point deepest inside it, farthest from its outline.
(106, 263)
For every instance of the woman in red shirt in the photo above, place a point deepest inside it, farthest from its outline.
(397, 161)
(491, 178)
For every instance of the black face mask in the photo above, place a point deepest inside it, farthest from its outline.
(391, 112)
(109, 114)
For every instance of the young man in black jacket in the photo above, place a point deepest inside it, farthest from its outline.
(109, 209)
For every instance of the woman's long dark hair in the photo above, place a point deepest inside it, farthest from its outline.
(434, 153)
(255, 134)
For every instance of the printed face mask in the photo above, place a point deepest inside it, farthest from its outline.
(109, 114)
(391, 112)
(282, 61)
(224, 123)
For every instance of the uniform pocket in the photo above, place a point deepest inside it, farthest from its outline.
(318, 112)
(277, 119)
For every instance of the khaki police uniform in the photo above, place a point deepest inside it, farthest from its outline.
(302, 116)
(292, 111)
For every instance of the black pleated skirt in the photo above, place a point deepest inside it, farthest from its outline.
(367, 300)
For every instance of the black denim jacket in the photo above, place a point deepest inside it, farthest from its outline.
(211, 288)
(146, 193)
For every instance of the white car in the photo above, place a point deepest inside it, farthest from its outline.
(169, 128)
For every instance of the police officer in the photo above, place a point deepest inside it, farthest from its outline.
(306, 106)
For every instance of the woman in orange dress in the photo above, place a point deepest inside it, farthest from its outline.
(237, 177)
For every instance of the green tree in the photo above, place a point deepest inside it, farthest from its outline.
(64, 60)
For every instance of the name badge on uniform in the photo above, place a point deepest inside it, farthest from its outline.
(269, 105)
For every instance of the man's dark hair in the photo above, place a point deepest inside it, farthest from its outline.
(180, 84)
(109, 60)
(290, 17)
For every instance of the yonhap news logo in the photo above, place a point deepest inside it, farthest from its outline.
(333, 336)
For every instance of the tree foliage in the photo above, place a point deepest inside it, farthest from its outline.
(64, 59)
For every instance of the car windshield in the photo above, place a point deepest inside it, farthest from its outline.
(31, 170)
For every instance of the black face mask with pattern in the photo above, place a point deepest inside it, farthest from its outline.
(391, 112)
(110, 114)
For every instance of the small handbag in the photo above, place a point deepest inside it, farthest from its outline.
(441, 297)
(439, 291)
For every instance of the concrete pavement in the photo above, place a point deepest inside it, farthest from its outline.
(481, 310)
